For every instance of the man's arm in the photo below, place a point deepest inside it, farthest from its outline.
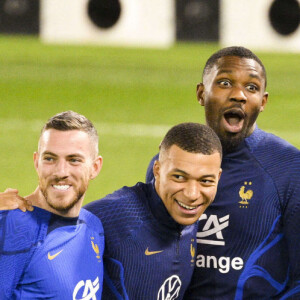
(291, 225)
(11, 200)
(292, 232)
(14, 251)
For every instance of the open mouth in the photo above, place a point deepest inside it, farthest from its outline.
(62, 187)
(234, 120)
(187, 207)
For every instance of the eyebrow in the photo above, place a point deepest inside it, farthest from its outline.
(253, 75)
(69, 156)
(204, 176)
(180, 171)
(224, 71)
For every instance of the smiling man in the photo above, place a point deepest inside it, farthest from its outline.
(248, 238)
(55, 251)
(150, 228)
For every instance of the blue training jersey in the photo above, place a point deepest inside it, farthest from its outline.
(64, 263)
(146, 251)
(249, 237)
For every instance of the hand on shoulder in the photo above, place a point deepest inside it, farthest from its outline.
(10, 199)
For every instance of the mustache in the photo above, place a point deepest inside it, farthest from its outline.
(56, 179)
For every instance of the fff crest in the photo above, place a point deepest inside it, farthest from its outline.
(245, 194)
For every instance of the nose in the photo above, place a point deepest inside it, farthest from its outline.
(61, 169)
(238, 95)
(192, 190)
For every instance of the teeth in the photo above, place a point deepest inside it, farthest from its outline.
(185, 206)
(61, 187)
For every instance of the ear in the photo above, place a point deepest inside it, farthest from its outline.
(36, 160)
(220, 173)
(200, 93)
(264, 101)
(96, 167)
(156, 169)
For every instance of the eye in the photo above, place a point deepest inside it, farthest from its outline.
(207, 182)
(178, 177)
(252, 87)
(75, 160)
(224, 83)
(48, 158)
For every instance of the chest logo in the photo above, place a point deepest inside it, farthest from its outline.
(96, 249)
(193, 252)
(50, 257)
(211, 232)
(147, 252)
(170, 288)
(86, 290)
(245, 195)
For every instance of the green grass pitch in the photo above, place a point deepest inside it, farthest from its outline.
(132, 95)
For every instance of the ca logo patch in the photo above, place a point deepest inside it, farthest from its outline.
(86, 290)
(212, 230)
(170, 288)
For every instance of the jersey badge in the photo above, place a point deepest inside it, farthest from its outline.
(211, 232)
(86, 290)
(245, 195)
(170, 288)
(193, 252)
(96, 249)
(147, 252)
(50, 257)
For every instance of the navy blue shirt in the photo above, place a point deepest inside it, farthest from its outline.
(145, 249)
(249, 237)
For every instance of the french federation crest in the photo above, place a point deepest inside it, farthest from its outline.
(245, 194)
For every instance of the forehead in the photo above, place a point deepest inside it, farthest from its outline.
(233, 64)
(176, 158)
(65, 142)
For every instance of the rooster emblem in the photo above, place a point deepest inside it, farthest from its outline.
(193, 252)
(95, 248)
(245, 195)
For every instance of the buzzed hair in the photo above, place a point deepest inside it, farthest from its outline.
(192, 137)
(238, 51)
(70, 120)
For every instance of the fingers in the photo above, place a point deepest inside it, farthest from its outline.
(11, 190)
(24, 204)
(11, 200)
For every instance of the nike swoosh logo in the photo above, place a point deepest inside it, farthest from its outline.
(50, 257)
(147, 252)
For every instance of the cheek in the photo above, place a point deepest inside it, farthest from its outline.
(168, 188)
(85, 175)
(210, 195)
(43, 173)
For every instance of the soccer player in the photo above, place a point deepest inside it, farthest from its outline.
(55, 251)
(150, 229)
(249, 238)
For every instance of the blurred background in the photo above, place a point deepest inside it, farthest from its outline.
(131, 66)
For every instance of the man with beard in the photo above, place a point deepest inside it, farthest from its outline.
(55, 251)
(248, 239)
(150, 228)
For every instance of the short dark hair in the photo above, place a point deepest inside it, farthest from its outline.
(70, 120)
(238, 51)
(192, 137)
